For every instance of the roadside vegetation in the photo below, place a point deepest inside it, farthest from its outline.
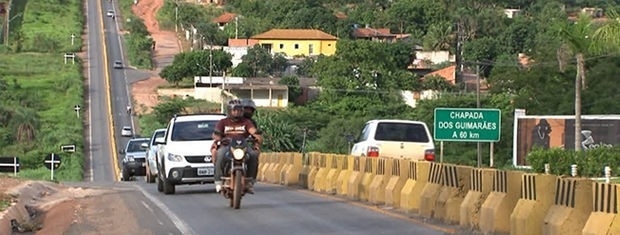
(138, 41)
(38, 91)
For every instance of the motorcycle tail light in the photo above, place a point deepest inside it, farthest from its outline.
(372, 152)
(238, 154)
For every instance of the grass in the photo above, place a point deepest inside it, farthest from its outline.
(48, 26)
(54, 87)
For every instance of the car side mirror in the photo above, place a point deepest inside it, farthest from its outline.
(122, 151)
(144, 145)
(160, 140)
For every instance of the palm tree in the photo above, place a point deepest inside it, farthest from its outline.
(586, 37)
(25, 121)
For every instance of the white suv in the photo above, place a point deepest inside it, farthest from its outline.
(395, 139)
(184, 155)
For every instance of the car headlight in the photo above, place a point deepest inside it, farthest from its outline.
(130, 158)
(174, 157)
(238, 154)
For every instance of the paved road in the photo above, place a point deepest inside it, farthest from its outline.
(102, 143)
(198, 209)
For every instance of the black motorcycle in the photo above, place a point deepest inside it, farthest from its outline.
(234, 177)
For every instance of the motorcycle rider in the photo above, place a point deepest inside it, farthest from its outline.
(235, 125)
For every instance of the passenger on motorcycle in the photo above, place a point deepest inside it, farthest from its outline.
(249, 108)
(235, 125)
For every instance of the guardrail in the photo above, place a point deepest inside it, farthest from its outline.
(487, 200)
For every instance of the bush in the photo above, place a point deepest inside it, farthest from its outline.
(589, 163)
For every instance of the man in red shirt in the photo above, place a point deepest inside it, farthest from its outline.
(235, 125)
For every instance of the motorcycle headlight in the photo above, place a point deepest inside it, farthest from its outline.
(174, 157)
(238, 154)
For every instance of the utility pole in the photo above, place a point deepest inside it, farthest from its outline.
(458, 70)
(176, 16)
(236, 27)
(478, 106)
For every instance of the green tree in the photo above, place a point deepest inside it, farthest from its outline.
(294, 91)
(259, 60)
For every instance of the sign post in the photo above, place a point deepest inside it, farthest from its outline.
(52, 162)
(77, 110)
(467, 125)
(9, 164)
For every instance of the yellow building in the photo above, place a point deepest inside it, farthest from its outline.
(296, 42)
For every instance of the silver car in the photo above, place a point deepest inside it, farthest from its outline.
(151, 155)
(126, 131)
(134, 161)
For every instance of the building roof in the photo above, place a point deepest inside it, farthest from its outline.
(370, 32)
(225, 18)
(299, 34)
(448, 73)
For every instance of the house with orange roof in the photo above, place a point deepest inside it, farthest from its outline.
(448, 73)
(225, 19)
(297, 42)
(379, 35)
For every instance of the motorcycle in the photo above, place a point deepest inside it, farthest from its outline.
(234, 185)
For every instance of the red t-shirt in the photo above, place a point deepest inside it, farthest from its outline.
(233, 130)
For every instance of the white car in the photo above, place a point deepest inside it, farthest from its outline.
(110, 13)
(126, 131)
(184, 154)
(151, 155)
(395, 139)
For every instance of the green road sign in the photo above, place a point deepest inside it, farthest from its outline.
(467, 125)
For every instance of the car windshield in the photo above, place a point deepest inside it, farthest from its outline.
(404, 132)
(158, 134)
(135, 145)
(127, 128)
(193, 130)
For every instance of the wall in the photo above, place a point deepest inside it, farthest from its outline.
(327, 47)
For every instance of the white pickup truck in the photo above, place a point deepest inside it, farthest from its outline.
(184, 155)
(395, 139)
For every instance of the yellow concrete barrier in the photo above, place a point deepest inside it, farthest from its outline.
(305, 170)
(500, 202)
(376, 193)
(396, 182)
(274, 174)
(290, 176)
(355, 179)
(266, 159)
(571, 209)
(418, 175)
(314, 168)
(288, 163)
(480, 186)
(431, 191)
(537, 194)
(604, 218)
(342, 183)
(325, 162)
(455, 185)
(332, 174)
(370, 170)
(269, 172)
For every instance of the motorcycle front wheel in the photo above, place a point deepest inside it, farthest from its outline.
(238, 189)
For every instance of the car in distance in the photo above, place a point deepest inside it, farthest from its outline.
(184, 154)
(110, 13)
(151, 155)
(395, 139)
(118, 64)
(126, 131)
(133, 163)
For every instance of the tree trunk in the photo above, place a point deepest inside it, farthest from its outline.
(578, 82)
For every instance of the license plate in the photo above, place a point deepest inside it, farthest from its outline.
(206, 171)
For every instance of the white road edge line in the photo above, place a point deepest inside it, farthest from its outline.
(147, 206)
(90, 103)
(181, 226)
